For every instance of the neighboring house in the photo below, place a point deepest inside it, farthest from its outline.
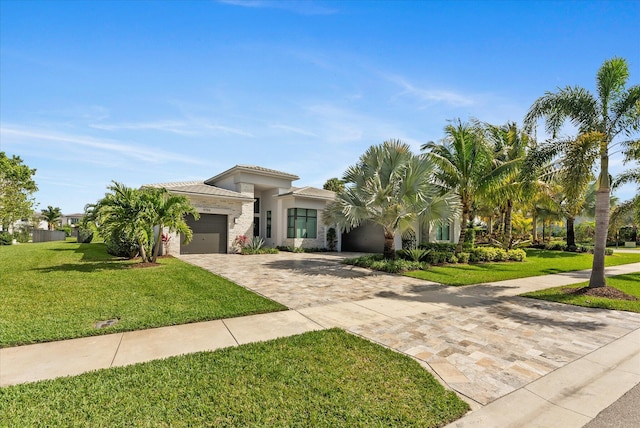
(251, 201)
(255, 201)
(71, 219)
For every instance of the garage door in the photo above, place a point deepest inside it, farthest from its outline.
(366, 238)
(209, 234)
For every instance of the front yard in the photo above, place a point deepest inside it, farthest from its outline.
(60, 290)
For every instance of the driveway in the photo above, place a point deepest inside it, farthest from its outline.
(482, 341)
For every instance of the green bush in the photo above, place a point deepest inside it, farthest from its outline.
(443, 247)
(23, 236)
(517, 255)
(121, 246)
(6, 238)
(332, 239)
(501, 255)
(414, 254)
(378, 262)
(85, 236)
(261, 250)
(608, 251)
(556, 246)
(463, 257)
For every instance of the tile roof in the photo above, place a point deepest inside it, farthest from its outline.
(310, 192)
(255, 169)
(199, 188)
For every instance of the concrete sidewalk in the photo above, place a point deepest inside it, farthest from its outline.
(518, 362)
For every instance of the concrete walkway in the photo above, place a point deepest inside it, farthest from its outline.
(518, 362)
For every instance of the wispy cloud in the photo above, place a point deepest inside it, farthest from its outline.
(302, 7)
(173, 127)
(293, 130)
(126, 150)
(431, 95)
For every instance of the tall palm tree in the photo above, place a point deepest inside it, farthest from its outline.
(614, 111)
(463, 158)
(391, 187)
(168, 211)
(52, 216)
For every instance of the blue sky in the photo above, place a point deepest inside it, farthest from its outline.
(145, 92)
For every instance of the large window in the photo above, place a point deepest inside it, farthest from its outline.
(268, 224)
(443, 233)
(302, 223)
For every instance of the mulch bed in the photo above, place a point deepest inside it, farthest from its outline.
(606, 292)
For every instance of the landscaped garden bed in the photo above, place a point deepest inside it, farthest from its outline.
(319, 379)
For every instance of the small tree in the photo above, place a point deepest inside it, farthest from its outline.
(16, 187)
(52, 216)
(334, 184)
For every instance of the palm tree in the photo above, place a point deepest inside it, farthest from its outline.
(123, 213)
(391, 187)
(52, 216)
(600, 120)
(463, 158)
(509, 150)
(168, 211)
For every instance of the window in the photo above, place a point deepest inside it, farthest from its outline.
(443, 232)
(268, 224)
(256, 226)
(302, 223)
(256, 206)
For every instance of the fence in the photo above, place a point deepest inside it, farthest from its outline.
(48, 235)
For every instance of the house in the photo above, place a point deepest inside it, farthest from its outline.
(71, 219)
(255, 201)
(251, 201)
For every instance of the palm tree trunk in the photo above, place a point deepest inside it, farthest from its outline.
(571, 234)
(143, 252)
(507, 224)
(534, 234)
(602, 223)
(389, 251)
(463, 227)
(156, 246)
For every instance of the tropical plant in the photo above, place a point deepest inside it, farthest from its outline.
(334, 184)
(51, 215)
(391, 187)
(128, 215)
(167, 211)
(510, 146)
(463, 158)
(599, 120)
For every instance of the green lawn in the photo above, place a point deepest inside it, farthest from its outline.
(319, 379)
(59, 290)
(629, 283)
(539, 262)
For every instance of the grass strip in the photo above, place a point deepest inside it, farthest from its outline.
(538, 262)
(628, 283)
(59, 290)
(319, 379)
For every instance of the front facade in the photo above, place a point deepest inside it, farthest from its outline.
(251, 201)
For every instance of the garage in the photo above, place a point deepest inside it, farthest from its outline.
(209, 234)
(366, 238)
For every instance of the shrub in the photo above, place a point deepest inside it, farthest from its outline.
(444, 247)
(85, 236)
(517, 255)
(453, 259)
(608, 251)
(414, 255)
(23, 236)
(501, 255)
(121, 246)
(6, 238)
(483, 254)
(463, 257)
(332, 239)
(378, 262)
(556, 246)
(262, 250)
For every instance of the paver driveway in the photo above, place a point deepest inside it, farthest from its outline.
(481, 340)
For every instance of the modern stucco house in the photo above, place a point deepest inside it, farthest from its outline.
(256, 201)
